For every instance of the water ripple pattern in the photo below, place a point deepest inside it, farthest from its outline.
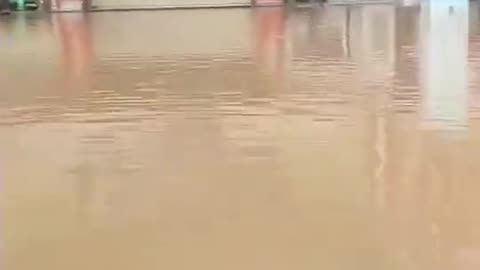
(331, 137)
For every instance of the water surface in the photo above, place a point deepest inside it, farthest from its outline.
(328, 138)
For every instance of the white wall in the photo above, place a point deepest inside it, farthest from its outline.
(125, 4)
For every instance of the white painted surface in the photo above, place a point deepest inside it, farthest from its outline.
(133, 4)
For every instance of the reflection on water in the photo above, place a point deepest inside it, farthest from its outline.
(446, 34)
(241, 139)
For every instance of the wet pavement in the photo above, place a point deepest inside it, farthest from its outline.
(327, 138)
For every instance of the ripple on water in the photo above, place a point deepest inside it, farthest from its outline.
(208, 142)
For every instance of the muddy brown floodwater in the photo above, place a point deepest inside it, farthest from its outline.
(338, 138)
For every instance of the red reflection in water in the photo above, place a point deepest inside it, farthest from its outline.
(270, 39)
(78, 52)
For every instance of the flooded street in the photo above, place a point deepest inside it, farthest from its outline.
(339, 138)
